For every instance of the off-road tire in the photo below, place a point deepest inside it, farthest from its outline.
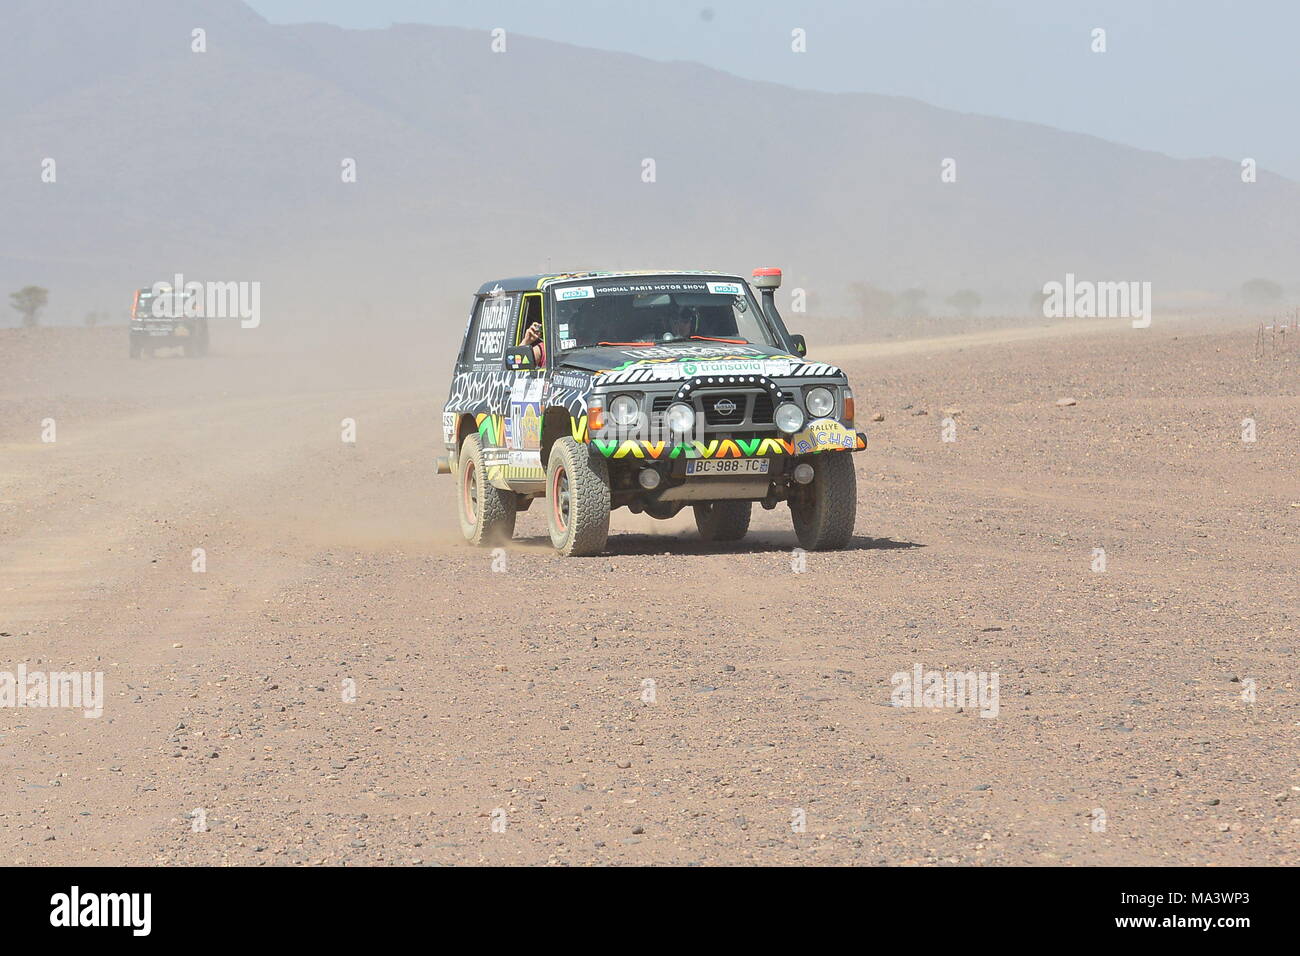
(723, 520)
(487, 514)
(577, 499)
(824, 510)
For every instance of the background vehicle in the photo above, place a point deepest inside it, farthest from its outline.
(656, 390)
(167, 319)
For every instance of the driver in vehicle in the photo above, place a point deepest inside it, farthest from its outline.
(684, 324)
(533, 337)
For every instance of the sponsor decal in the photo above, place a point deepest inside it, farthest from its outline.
(524, 429)
(667, 369)
(494, 319)
(567, 379)
(691, 351)
(527, 390)
(735, 368)
(644, 288)
(825, 434)
(725, 288)
(524, 459)
(573, 292)
(516, 466)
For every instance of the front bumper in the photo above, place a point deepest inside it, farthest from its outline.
(159, 331)
(821, 436)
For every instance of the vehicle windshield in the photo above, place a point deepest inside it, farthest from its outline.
(657, 310)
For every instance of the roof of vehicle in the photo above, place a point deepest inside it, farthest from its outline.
(535, 282)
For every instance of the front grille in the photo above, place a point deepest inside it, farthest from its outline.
(715, 416)
(658, 406)
(751, 408)
(763, 407)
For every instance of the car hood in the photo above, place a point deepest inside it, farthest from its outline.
(684, 360)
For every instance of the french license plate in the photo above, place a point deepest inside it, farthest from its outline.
(727, 466)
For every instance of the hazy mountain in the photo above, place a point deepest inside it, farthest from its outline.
(472, 164)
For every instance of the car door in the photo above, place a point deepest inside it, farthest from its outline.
(526, 390)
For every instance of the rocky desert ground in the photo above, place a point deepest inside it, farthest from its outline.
(345, 682)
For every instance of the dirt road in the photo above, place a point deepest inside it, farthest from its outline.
(346, 682)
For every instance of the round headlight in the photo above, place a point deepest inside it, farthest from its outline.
(789, 418)
(820, 402)
(625, 410)
(681, 418)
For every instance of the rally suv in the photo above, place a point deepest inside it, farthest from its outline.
(163, 318)
(645, 390)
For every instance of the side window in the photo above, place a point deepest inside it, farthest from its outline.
(530, 313)
(467, 347)
(486, 343)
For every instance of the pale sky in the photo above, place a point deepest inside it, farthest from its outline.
(1183, 77)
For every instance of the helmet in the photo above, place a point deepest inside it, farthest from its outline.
(689, 316)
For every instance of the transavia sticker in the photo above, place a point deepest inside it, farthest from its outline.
(691, 369)
(822, 434)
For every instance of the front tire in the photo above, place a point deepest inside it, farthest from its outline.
(577, 498)
(487, 514)
(825, 509)
(723, 520)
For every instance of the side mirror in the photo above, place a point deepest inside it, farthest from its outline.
(520, 357)
(800, 346)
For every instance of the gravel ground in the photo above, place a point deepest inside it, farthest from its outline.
(348, 683)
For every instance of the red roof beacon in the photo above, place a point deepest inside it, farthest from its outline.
(767, 281)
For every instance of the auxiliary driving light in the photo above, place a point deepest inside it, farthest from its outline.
(649, 479)
(789, 418)
(681, 418)
(803, 473)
